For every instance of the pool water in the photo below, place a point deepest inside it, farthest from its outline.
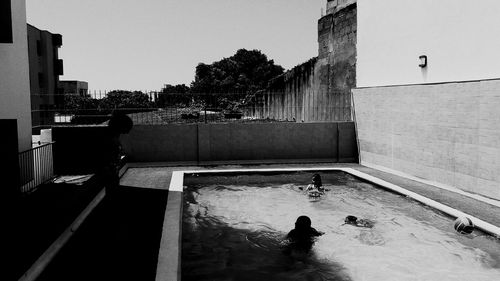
(236, 231)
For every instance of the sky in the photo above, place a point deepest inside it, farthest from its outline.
(142, 45)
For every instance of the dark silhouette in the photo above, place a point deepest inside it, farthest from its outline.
(118, 124)
(301, 238)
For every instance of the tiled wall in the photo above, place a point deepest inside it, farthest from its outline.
(447, 133)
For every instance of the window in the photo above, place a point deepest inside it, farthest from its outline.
(58, 67)
(38, 47)
(41, 83)
(63, 118)
(5, 22)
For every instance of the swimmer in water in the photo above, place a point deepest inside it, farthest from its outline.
(352, 220)
(315, 189)
(301, 238)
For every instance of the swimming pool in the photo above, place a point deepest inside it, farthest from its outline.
(233, 231)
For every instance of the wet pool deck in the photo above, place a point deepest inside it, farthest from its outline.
(157, 176)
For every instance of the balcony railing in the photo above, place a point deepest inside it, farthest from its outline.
(36, 166)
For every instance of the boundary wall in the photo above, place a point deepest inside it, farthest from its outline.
(226, 142)
(447, 133)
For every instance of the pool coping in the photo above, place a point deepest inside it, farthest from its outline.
(49, 254)
(169, 257)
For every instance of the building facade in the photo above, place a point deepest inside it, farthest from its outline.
(435, 118)
(74, 87)
(14, 70)
(45, 69)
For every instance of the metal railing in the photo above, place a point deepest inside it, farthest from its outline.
(36, 166)
(157, 108)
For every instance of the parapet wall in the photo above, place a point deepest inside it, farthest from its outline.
(82, 149)
(447, 133)
(233, 142)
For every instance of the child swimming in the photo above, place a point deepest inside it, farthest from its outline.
(352, 220)
(315, 189)
(301, 238)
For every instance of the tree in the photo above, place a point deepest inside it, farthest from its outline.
(126, 100)
(177, 89)
(174, 95)
(244, 72)
(239, 77)
(76, 104)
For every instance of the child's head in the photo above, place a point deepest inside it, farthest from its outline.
(303, 222)
(316, 180)
(351, 220)
(120, 123)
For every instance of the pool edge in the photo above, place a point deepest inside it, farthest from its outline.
(169, 255)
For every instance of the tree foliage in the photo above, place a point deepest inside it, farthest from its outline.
(174, 95)
(89, 110)
(175, 89)
(120, 99)
(75, 103)
(245, 72)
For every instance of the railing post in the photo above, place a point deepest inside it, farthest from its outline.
(205, 106)
(36, 167)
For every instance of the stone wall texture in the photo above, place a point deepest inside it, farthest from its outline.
(447, 133)
(319, 89)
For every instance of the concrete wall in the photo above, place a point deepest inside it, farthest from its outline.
(334, 5)
(319, 89)
(302, 94)
(239, 142)
(448, 133)
(341, 59)
(14, 77)
(459, 38)
(162, 143)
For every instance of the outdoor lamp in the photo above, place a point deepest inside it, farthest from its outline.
(423, 61)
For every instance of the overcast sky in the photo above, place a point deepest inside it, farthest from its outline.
(141, 45)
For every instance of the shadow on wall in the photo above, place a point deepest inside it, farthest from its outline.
(79, 149)
(232, 142)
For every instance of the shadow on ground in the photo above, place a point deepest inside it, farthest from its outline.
(119, 240)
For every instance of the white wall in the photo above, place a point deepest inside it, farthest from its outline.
(447, 133)
(460, 37)
(14, 76)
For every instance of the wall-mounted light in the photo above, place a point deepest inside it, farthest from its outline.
(423, 61)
